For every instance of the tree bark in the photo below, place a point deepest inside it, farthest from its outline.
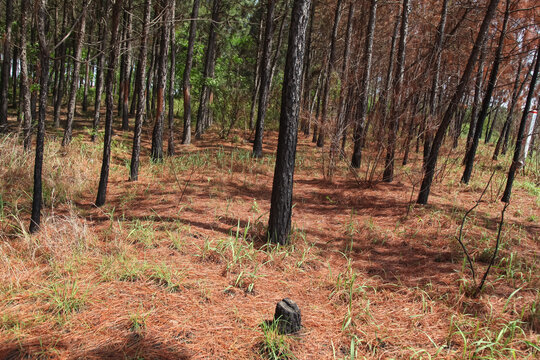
(516, 163)
(356, 160)
(157, 134)
(170, 143)
(429, 171)
(186, 137)
(4, 80)
(109, 101)
(204, 115)
(265, 69)
(388, 175)
(279, 223)
(75, 81)
(100, 70)
(471, 153)
(141, 103)
(25, 81)
(44, 52)
(329, 71)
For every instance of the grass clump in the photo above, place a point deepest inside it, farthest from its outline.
(274, 346)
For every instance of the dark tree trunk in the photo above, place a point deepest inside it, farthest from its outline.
(431, 163)
(388, 175)
(4, 80)
(339, 131)
(203, 115)
(109, 102)
(170, 143)
(58, 91)
(329, 71)
(433, 105)
(14, 68)
(44, 51)
(25, 81)
(257, 81)
(516, 163)
(157, 134)
(476, 100)
(265, 78)
(75, 81)
(186, 137)
(141, 104)
(471, 153)
(126, 64)
(510, 112)
(363, 99)
(306, 82)
(100, 72)
(279, 223)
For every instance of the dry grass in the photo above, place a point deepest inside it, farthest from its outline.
(156, 276)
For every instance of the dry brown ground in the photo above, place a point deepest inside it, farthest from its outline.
(157, 275)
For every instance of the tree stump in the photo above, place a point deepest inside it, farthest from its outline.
(288, 317)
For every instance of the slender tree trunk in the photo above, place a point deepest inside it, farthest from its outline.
(257, 82)
(204, 116)
(14, 62)
(25, 81)
(516, 163)
(126, 64)
(75, 81)
(141, 104)
(170, 143)
(471, 153)
(476, 100)
(339, 131)
(58, 91)
(99, 76)
(265, 78)
(4, 80)
(433, 105)
(329, 71)
(44, 51)
(186, 137)
(510, 111)
(306, 82)
(388, 175)
(157, 134)
(431, 164)
(363, 99)
(279, 223)
(109, 101)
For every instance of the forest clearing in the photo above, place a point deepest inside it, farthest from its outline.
(180, 168)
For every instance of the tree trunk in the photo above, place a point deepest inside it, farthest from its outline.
(471, 153)
(141, 104)
(204, 116)
(257, 82)
(279, 223)
(100, 70)
(109, 102)
(126, 64)
(363, 99)
(429, 171)
(433, 105)
(157, 134)
(25, 81)
(58, 91)
(329, 71)
(510, 111)
(44, 51)
(186, 137)
(476, 100)
(516, 163)
(4, 80)
(388, 175)
(265, 78)
(75, 81)
(170, 143)
(339, 131)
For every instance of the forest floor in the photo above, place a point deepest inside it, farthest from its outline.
(176, 265)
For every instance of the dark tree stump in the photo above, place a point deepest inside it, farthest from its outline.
(288, 317)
